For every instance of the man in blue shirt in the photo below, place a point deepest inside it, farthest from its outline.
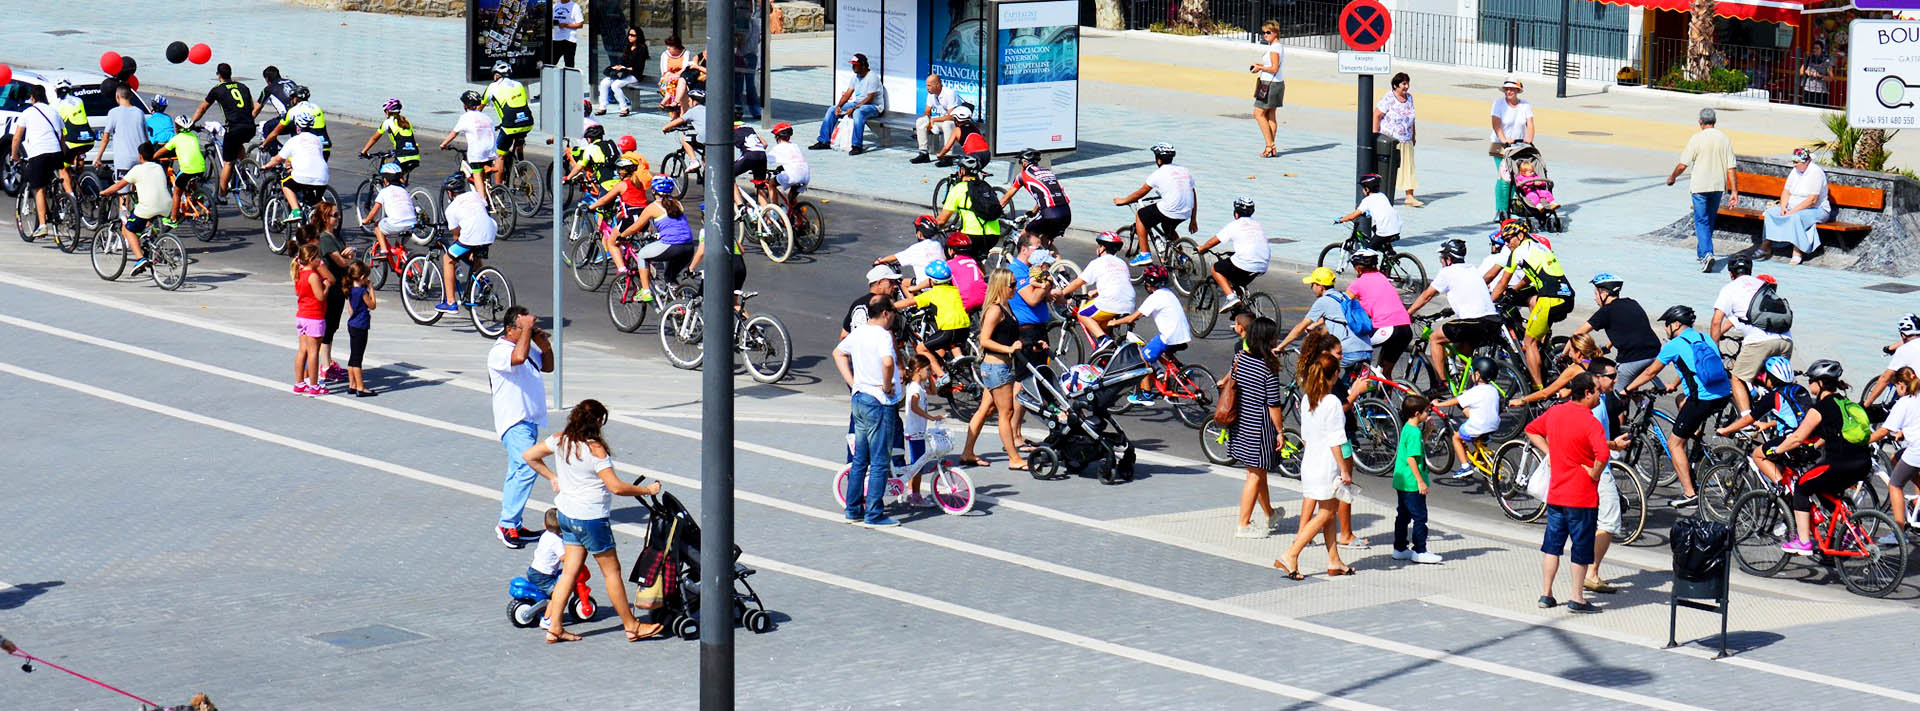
(1706, 380)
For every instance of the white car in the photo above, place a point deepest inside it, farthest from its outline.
(13, 100)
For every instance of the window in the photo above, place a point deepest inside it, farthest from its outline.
(13, 96)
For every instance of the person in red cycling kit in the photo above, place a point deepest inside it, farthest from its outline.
(1051, 214)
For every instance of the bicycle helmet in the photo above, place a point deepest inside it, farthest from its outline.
(183, 123)
(961, 113)
(1606, 280)
(1827, 371)
(1163, 149)
(1030, 156)
(938, 270)
(959, 241)
(969, 163)
(628, 144)
(1454, 249)
(1909, 325)
(625, 164)
(1486, 367)
(1680, 314)
(1242, 207)
(301, 93)
(502, 68)
(662, 184)
(63, 86)
(1365, 258)
(699, 95)
(1371, 182)
(783, 130)
(926, 226)
(390, 105)
(1513, 229)
(1109, 240)
(1496, 239)
(1780, 369)
(1154, 275)
(595, 132)
(455, 185)
(470, 98)
(1740, 264)
(159, 102)
(303, 120)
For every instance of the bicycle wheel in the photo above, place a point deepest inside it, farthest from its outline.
(420, 289)
(1633, 503)
(1376, 434)
(527, 190)
(1868, 566)
(1335, 256)
(624, 306)
(1185, 266)
(423, 208)
(768, 349)
(1291, 449)
(674, 165)
(490, 295)
(1511, 384)
(66, 235)
(1213, 442)
(775, 233)
(809, 227)
(506, 213)
(1648, 455)
(362, 199)
(1408, 275)
(589, 259)
(680, 335)
(1262, 304)
(1436, 444)
(90, 209)
(378, 269)
(246, 188)
(952, 489)
(273, 224)
(167, 262)
(1516, 465)
(1203, 309)
(109, 254)
(207, 213)
(1719, 486)
(940, 191)
(26, 218)
(1760, 522)
(1196, 395)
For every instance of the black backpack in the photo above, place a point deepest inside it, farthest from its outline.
(1700, 548)
(982, 200)
(1768, 310)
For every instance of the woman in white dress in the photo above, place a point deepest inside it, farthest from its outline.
(1326, 473)
(1802, 205)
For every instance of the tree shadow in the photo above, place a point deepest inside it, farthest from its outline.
(18, 595)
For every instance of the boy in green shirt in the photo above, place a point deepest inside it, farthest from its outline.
(1410, 484)
(191, 165)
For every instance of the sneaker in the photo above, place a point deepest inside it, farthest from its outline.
(299, 388)
(1232, 301)
(1462, 474)
(1798, 547)
(882, 522)
(509, 537)
(39, 231)
(1403, 555)
(920, 502)
(1249, 531)
(922, 158)
(646, 297)
(1546, 602)
(1706, 264)
(1268, 523)
(856, 150)
(944, 162)
(1582, 607)
(140, 265)
(294, 216)
(446, 307)
(1144, 399)
(1684, 500)
(819, 146)
(943, 381)
(335, 372)
(1426, 557)
(1140, 260)
(317, 390)
(169, 222)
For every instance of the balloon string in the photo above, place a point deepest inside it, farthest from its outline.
(96, 682)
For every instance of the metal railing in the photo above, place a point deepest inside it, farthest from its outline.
(1777, 72)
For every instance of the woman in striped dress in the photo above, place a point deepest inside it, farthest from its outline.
(1326, 473)
(1256, 423)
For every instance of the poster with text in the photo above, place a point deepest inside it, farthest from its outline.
(958, 29)
(518, 31)
(857, 30)
(1036, 99)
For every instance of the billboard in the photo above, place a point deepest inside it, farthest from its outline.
(1883, 73)
(959, 34)
(518, 31)
(1036, 75)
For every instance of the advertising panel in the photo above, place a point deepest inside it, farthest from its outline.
(1883, 73)
(958, 30)
(518, 31)
(1036, 71)
(858, 31)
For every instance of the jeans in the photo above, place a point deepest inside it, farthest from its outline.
(1413, 509)
(874, 429)
(860, 118)
(746, 88)
(1705, 207)
(519, 484)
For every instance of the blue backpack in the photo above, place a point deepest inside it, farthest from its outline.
(1707, 371)
(1356, 318)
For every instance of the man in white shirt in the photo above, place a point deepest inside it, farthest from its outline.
(1179, 201)
(514, 366)
(868, 363)
(860, 102)
(1378, 209)
(307, 174)
(1730, 321)
(37, 129)
(478, 129)
(929, 245)
(1474, 318)
(934, 121)
(567, 21)
(152, 199)
(1906, 354)
(473, 231)
(1250, 253)
(1112, 286)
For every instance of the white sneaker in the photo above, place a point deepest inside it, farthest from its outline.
(1249, 532)
(1231, 301)
(1428, 557)
(1403, 555)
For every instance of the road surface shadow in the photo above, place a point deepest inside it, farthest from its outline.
(18, 595)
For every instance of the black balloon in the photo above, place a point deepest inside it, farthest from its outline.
(127, 67)
(177, 52)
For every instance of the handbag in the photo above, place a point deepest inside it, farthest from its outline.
(659, 568)
(1226, 410)
(1261, 88)
(1541, 481)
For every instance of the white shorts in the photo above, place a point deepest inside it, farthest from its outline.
(1609, 514)
(390, 227)
(1470, 432)
(786, 181)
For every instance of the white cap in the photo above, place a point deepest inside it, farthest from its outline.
(1039, 257)
(881, 271)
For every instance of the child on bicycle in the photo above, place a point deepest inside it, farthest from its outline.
(148, 181)
(631, 190)
(184, 147)
(695, 119)
(1163, 306)
(1250, 253)
(1482, 403)
(1779, 408)
(950, 317)
(393, 210)
(1378, 209)
(1410, 484)
(914, 422)
(1112, 283)
(1903, 424)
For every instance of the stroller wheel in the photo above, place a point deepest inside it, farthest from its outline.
(757, 621)
(523, 613)
(687, 627)
(1043, 462)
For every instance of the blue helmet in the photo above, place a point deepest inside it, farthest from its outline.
(1606, 280)
(938, 270)
(159, 102)
(1780, 369)
(662, 184)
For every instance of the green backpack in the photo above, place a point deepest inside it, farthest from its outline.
(1854, 425)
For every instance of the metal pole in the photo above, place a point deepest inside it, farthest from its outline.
(1363, 133)
(1513, 29)
(716, 406)
(766, 57)
(1560, 82)
(558, 92)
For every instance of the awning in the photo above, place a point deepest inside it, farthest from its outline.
(1781, 11)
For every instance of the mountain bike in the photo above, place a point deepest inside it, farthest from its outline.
(1203, 305)
(364, 193)
(200, 209)
(1180, 255)
(500, 203)
(1406, 272)
(760, 337)
(167, 259)
(523, 185)
(274, 210)
(674, 165)
(485, 295)
(1864, 546)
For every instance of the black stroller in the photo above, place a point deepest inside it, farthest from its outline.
(671, 560)
(1082, 433)
(1544, 218)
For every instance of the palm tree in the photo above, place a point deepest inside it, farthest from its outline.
(1195, 13)
(1700, 40)
(1869, 150)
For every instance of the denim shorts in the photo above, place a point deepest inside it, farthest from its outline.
(1567, 522)
(594, 534)
(544, 581)
(993, 375)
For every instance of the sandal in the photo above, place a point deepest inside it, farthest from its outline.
(1021, 467)
(1292, 574)
(657, 629)
(1337, 572)
(973, 461)
(562, 637)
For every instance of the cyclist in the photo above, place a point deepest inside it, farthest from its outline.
(1379, 211)
(1052, 215)
(160, 126)
(1783, 403)
(1250, 253)
(984, 233)
(1474, 323)
(950, 318)
(597, 159)
(150, 199)
(237, 106)
(77, 132)
(1170, 323)
(1731, 320)
(1392, 327)
(184, 147)
(396, 127)
(1179, 201)
(276, 91)
(791, 162)
(315, 116)
(473, 230)
(508, 97)
(750, 158)
(1329, 312)
(968, 277)
(735, 256)
(630, 188)
(1707, 383)
(307, 174)
(1906, 354)
(124, 132)
(1839, 426)
(1112, 283)
(925, 250)
(669, 221)
(1546, 280)
(1482, 404)
(37, 129)
(965, 134)
(695, 119)
(392, 207)
(477, 127)
(1626, 326)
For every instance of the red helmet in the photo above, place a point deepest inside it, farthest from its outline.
(926, 225)
(783, 129)
(627, 143)
(1155, 275)
(959, 240)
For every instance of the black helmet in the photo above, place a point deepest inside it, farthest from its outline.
(455, 185)
(1485, 367)
(1828, 371)
(1681, 314)
(470, 98)
(1163, 149)
(1242, 207)
(1370, 181)
(1740, 264)
(596, 132)
(301, 93)
(1454, 249)
(1030, 156)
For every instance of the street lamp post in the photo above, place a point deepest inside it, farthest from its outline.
(716, 403)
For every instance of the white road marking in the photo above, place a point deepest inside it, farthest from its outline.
(638, 531)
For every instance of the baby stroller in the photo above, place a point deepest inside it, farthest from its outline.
(1082, 433)
(671, 560)
(1544, 218)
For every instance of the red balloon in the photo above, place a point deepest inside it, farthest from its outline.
(133, 82)
(6, 74)
(110, 63)
(200, 53)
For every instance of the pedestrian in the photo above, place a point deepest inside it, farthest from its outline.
(1710, 154)
(868, 362)
(999, 341)
(1611, 411)
(1269, 86)
(746, 48)
(1512, 123)
(1576, 449)
(1794, 219)
(1326, 470)
(673, 86)
(1393, 116)
(935, 123)
(567, 21)
(360, 303)
(1625, 322)
(623, 73)
(309, 318)
(514, 366)
(125, 131)
(1731, 321)
(335, 255)
(1257, 419)
(865, 98)
(584, 487)
(1410, 484)
(1815, 71)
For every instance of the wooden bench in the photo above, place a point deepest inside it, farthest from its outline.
(1769, 187)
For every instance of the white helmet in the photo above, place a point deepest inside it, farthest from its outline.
(961, 113)
(183, 123)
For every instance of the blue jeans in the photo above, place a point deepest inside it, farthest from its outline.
(874, 430)
(1412, 510)
(860, 117)
(519, 485)
(1705, 207)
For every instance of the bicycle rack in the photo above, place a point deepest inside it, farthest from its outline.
(1695, 594)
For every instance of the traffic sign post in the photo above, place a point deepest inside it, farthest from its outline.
(1365, 26)
(562, 117)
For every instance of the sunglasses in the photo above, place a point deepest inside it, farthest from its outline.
(1607, 375)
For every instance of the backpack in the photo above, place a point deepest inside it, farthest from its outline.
(1854, 426)
(1768, 310)
(1708, 372)
(1357, 320)
(982, 200)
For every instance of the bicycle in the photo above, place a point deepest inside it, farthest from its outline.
(761, 338)
(1203, 305)
(1406, 272)
(1647, 449)
(763, 223)
(391, 262)
(499, 202)
(946, 182)
(1181, 255)
(1191, 389)
(1216, 441)
(167, 259)
(1853, 541)
(523, 185)
(200, 209)
(63, 221)
(1507, 380)
(948, 485)
(674, 165)
(486, 295)
(369, 188)
(274, 210)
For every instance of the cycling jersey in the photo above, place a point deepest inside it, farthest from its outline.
(960, 202)
(313, 111)
(234, 103)
(1043, 186)
(1541, 268)
(598, 157)
(278, 94)
(185, 147)
(509, 98)
(748, 141)
(405, 148)
(77, 132)
(159, 128)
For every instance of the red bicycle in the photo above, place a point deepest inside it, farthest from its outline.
(1864, 546)
(1190, 389)
(384, 263)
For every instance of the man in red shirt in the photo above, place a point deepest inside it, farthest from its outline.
(1576, 447)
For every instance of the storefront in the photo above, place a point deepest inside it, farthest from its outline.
(1782, 51)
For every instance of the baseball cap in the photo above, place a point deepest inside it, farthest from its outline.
(858, 58)
(881, 271)
(1321, 275)
(1039, 257)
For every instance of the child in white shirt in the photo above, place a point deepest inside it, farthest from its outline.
(1482, 403)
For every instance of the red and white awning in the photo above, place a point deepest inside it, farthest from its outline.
(1782, 11)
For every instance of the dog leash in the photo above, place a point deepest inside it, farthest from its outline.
(28, 668)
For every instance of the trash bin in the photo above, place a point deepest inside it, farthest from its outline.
(1702, 570)
(1386, 163)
